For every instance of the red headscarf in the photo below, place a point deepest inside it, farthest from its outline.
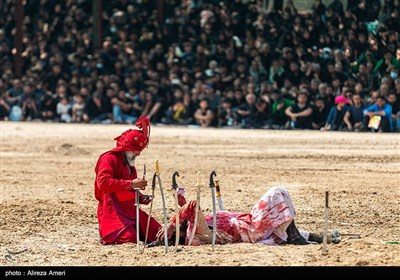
(134, 139)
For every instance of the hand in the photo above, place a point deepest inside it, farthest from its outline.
(139, 183)
(145, 199)
(170, 231)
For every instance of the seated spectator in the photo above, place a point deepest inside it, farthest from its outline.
(78, 108)
(14, 93)
(181, 112)
(392, 100)
(97, 109)
(225, 114)
(299, 113)
(335, 120)
(383, 112)
(48, 107)
(354, 114)
(278, 111)
(203, 115)
(260, 115)
(320, 113)
(122, 108)
(5, 109)
(244, 110)
(64, 110)
(28, 103)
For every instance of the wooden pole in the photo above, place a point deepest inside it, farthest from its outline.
(19, 17)
(97, 6)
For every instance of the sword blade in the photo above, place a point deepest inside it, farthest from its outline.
(165, 215)
(221, 206)
(137, 220)
(214, 233)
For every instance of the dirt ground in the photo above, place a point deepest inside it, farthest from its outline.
(48, 211)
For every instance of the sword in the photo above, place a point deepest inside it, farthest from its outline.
(137, 212)
(164, 208)
(196, 217)
(153, 187)
(325, 239)
(218, 194)
(175, 189)
(212, 186)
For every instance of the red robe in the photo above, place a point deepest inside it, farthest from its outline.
(270, 215)
(116, 212)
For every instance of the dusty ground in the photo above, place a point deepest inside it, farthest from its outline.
(49, 213)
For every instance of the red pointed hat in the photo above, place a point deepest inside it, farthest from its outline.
(134, 139)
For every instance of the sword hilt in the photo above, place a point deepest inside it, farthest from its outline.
(174, 184)
(327, 199)
(153, 182)
(212, 175)
(217, 189)
(157, 168)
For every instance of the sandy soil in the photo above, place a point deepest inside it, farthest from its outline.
(48, 212)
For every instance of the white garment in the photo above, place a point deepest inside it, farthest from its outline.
(63, 111)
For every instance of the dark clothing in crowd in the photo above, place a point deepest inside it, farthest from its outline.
(198, 46)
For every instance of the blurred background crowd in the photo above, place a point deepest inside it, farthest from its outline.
(238, 63)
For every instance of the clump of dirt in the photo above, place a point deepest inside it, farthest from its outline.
(67, 149)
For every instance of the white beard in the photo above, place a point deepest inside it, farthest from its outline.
(130, 158)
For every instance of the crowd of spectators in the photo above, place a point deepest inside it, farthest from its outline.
(206, 63)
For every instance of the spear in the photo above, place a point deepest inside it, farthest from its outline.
(212, 186)
(175, 189)
(164, 208)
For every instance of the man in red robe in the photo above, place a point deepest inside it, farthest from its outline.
(116, 178)
(271, 221)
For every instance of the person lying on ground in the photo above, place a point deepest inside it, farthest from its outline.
(271, 221)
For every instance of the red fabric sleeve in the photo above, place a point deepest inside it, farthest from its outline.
(188, 211)
(105, 174)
